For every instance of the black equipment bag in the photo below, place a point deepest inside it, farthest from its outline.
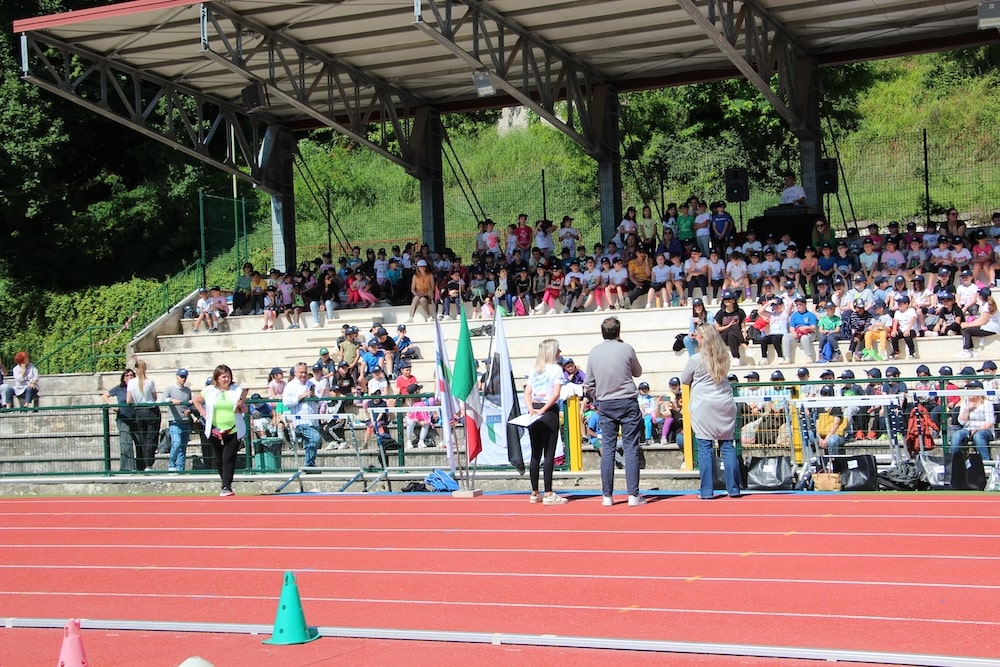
(857, 473)
(967, 471)
(770, 473)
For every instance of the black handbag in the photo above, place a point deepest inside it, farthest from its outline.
(719, 474)
(770, 473)
(967, 471)
(857, 473)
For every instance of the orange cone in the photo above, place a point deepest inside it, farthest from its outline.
(72, 654)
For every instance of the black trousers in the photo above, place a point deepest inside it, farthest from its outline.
(224, 451)
(543, 434)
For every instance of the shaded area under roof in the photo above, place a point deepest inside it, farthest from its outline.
(626, 44)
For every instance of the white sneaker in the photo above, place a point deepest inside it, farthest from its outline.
(409, 320)
(964, 354)
(422, 444)
(607, 501)
(635, 501)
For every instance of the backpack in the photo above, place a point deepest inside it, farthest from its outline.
(439, 480)
(904, 476)
(920, 429)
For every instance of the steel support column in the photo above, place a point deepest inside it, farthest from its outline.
(277, 166)
(808, 132)
(426, 141)
(607, 116)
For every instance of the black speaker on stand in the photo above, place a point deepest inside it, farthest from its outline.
(827, 181)
(737, 186)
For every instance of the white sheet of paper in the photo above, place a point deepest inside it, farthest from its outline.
(524, 420)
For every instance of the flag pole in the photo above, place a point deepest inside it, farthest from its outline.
(465, 387)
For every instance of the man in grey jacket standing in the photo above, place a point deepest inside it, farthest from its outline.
(609, 383)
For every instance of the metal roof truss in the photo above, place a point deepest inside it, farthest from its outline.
(313, 83)
(209, 129)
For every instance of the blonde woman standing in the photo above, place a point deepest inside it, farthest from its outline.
(142, 389)
(541, 395)
(713, 410)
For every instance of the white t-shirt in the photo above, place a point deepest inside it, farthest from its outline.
(545, 384)
(700, 267)
(993, 324)
(702, 219)
(736, 270)
(617, 277)
(144, 394)
(661, 273)
(966, 295)
(905, 320)
(792, 194)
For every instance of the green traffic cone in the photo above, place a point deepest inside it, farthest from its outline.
(290, 621)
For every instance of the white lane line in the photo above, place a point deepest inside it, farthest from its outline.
(644, 515)
(493, 550)
(788, 532)
(517, 575)
(524, 605)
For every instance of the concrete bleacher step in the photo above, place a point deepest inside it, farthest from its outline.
(252, 352)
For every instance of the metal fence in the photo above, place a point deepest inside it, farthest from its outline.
(776, 419)
(85, 440)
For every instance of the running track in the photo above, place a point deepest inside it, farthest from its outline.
(882, 572)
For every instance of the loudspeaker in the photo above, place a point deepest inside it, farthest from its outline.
(737, 188)
(255, 97)
(827, 177)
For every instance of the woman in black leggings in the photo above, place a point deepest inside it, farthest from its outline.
(541, 395)
(223, 407)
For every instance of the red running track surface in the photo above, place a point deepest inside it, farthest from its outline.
(914, 574)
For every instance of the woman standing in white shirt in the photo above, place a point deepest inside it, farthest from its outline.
(541, 395)
(141, 389)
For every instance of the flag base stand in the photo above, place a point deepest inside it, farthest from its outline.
(467, 493)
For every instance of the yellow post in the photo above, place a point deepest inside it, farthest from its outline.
(796, 433)
(688, 437)
(574, 429)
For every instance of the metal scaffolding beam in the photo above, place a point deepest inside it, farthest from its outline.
(209, 129)
(313, 83)
(760, 48)
(530, 69)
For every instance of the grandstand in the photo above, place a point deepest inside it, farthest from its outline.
(168, 344)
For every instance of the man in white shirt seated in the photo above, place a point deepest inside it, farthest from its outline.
(792, 194)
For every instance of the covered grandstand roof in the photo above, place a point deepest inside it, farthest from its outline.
(352, 47)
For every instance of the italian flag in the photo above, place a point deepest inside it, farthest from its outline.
(465, 388)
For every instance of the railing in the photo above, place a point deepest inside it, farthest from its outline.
(85, 440)
(768, 423)
(102, 348)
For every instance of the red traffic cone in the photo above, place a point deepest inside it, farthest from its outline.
(72, 654)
